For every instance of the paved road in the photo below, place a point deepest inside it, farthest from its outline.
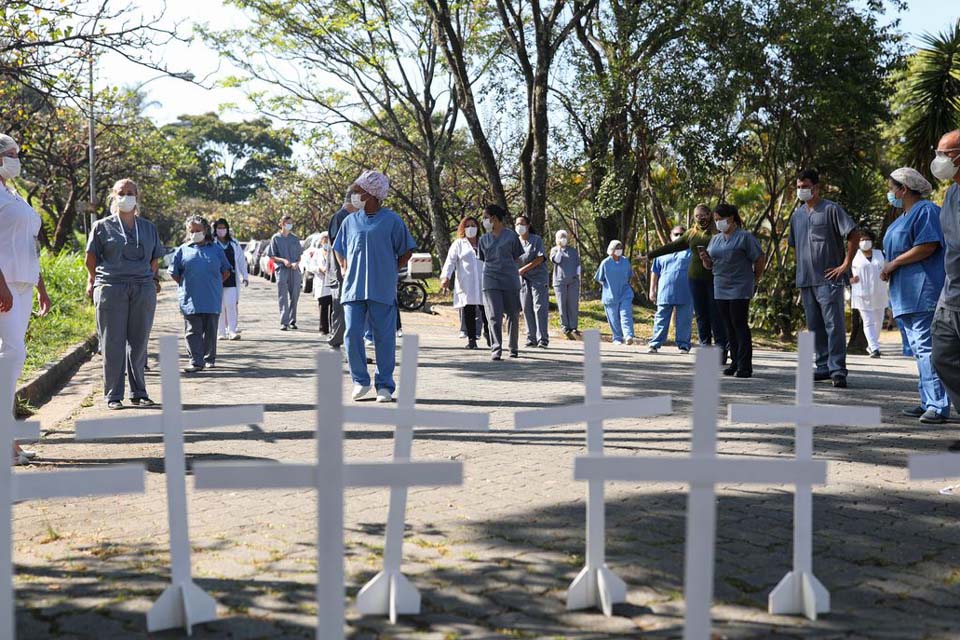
(493, 558)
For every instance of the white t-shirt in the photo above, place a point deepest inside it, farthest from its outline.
(19, 226)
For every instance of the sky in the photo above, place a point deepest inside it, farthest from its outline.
(171, 97)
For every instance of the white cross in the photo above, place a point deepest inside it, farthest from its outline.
(18, 487)
(800, 591)
(937, 466)
(182, 604)
(595, 585)
(702, 470)
(329, 476)
(389, 592)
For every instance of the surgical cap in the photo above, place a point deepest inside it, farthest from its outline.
(913, 180)
(374, 183)
(613, 245)
(561, 234)
(7, 143)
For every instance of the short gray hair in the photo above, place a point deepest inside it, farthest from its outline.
(204, 224)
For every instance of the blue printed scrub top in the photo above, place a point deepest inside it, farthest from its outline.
(615, 278)
(915, 287)
(673, 286)
(733, 260)
(200, 268)
(371, 246)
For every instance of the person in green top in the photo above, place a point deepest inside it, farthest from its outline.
(709, 325)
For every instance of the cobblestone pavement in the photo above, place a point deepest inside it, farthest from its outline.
(493, 558)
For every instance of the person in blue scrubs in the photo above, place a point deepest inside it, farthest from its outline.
(534, 277)
(499, 250)
(200, 267)
(670, 287)
(371, 246)
(614, 276)
(913, 245)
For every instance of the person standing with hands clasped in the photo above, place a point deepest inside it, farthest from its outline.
(285, 250)
(913, 245)
(737, 262)
(534, 295)
(825, 239)
(614, 276)
(231, 286)
(868, 291)
(499, 251)
(464, 266)
(566, 284)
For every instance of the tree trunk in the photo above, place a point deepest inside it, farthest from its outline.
(540, 129)
(440, 230)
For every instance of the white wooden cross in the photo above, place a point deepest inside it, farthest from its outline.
(390, 592)
(596, 585)
(936, 466)
(182, 604)
(329, 477)
(800, 591)
(38, 485)
(703, 470)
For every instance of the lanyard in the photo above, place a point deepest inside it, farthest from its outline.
(136, 229)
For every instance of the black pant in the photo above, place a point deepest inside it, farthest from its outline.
(200, 331)
(736, 320)
(470, 319)
(326, 305)
(710, 327)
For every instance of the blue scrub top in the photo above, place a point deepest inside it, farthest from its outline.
(615, 278)
(533, 249)
(819, 236)
(915, 287)
(124, 255)
(499, 254)
(200, 268)
(372, 245)
(674, 284)
(733, 260)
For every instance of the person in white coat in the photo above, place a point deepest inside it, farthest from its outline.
(464, 266)
(321, 262)
(231, 286)
(868, 293)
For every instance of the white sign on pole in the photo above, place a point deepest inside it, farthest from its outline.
(390, 592)
(596, 585)
(702, 470)
(19, 487)
(183, 604)
(328, 477)
(800, 591)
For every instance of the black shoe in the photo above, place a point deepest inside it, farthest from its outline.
(930, 416)
(472, 344)
(514, 354)
(142, 402)
(840, 382)
(283, 327)
(743, 374)
(875, 354)
(569, 334)
(915, 412)
(730, 371)
(115, 405)
(543, 345)
(819, 377)
(531, 343)
(293, 325)
(369, 360)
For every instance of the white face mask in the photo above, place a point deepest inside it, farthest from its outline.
(804, 195)
(470, 232)
(866, 245)
(722, 225)
(487, 224)
(357, 201)
(126, 204)
(563, 242)
(288, 226)
(618, 252)
(10, 168)
(942, 168)
(221, 233)
(521, 229)
(198, 236)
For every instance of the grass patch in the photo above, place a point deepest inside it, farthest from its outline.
(71, 318)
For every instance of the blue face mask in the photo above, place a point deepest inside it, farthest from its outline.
(894, 201)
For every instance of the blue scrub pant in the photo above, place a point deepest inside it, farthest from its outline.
(682, 331)
(904, 341)
(383, 322)
(917, 326)
(125, 312)
(568, 303)
(288, 294)
(823, 308)
(710, 327)
(620, 317)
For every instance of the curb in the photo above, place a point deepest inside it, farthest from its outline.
(55, 374)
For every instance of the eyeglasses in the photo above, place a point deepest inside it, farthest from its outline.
(944, 153)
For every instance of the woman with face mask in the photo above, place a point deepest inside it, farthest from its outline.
(123, 253)
(736, 260)
(285, 249)
(200, 267)
(322, 263)
(231, 286)
(534, 294)
(614, 276)
(868, 293)
(464, 266)
(498, 250)
(19, 274)
(913, 245)
(566, 284)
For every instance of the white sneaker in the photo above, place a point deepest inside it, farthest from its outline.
(463, 335)
(652, 349)
(360, 390)
(629, 340)
(617, 342)
(399, 333)
(384, 396)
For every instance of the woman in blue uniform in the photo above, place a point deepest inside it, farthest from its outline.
(614, 276)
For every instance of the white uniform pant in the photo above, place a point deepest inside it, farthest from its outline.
(13, 332)
(228, 312)
(872, 325)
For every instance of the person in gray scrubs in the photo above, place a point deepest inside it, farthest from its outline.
(499, 250)
(335, 277)
(123, 252)
(825, 239)
(534, 295)
(566, 284)
(285, 249)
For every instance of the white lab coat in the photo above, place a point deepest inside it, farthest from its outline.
(463, 262)
(241, 264)
(870, 293)
(321, 261)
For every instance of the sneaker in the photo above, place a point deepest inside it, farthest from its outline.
(531, 343)
(221, 337)
(653, 349)
(577, 333)
(629, 340)
(114, 405)
(472, 344)
(618, 342)
(293, 325)
(730, 371)
(495, 357)
(930, 416)
(399, 333)
(818, 377)
(142, 402)
(209, 365)
(192, 369)
(235, 336)
(463, 335)
(683, 349)
(543, 345)
(514, 354)
(840, 382)
(360, 390)
(915, 412)
(875, 353)
(383, 395)
(569, 334)
(283, 327)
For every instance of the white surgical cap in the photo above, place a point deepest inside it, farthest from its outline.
(7, 143)
(374, 183)
(913, 180)
(561, 234)
(613, 245)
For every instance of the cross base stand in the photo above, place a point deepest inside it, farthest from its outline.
(596, 588)
(389, 593)
(799, 592)
(181, 606)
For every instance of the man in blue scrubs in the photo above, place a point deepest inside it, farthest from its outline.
(371, 246)
(670, 287)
